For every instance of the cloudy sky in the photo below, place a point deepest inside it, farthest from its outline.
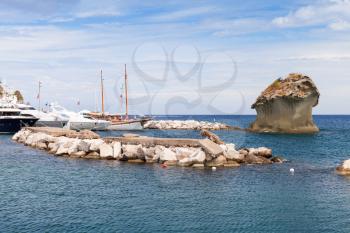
(183, 57)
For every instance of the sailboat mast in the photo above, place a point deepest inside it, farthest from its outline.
(102, 96)
(126, 94)
(39, 96)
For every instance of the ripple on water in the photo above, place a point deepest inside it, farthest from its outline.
(45, 193)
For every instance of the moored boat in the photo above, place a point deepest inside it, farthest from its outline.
(12, 121)
(76, 121)
(118, 121)
(45, 119)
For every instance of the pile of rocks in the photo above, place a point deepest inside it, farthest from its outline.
(167, 155)
(187, 124)
(344, 168)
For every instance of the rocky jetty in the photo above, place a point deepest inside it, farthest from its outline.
(286, 106)
(197, 153)
(344, 168)
(186, 125)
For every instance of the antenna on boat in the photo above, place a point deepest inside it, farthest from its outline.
(39, 95)
(126, 93)
(102, 96)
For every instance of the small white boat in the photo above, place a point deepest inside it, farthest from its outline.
(77, 121)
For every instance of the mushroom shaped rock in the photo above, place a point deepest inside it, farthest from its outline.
(286, 106)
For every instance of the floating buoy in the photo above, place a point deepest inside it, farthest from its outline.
(213, 168)
(291, 170)
(163, 165)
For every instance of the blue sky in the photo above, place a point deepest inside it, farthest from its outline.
(183, 57)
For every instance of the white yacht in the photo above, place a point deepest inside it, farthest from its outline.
(45, 119)
(76, 121)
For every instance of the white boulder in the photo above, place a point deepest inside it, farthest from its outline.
(106, 151)
(132, 151)
(117, 150)
(95, 144)
(167, 155)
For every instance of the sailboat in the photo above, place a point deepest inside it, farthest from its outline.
(118, 121)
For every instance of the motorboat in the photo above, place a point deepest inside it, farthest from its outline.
(11, 120)
(76, 121)
(45, 119)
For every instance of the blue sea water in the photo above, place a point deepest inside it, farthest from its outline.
(43, 193)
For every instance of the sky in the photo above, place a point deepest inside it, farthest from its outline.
(182, 57)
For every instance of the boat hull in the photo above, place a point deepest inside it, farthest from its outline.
(9, 125)
(97, 126)
(137, 125)
(57, 124)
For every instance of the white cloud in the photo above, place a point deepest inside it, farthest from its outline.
(182, 14)
(227, 27)
(331, 13)
(340, 25)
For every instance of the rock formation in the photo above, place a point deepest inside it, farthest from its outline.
(286, 106)
(344, 168)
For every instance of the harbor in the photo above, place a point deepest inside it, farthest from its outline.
(174, 116)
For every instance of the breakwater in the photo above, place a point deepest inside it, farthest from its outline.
(198, 153)
(187, 125)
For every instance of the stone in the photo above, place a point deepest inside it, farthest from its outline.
(244, 152)
(106, 151)
(344, 168)
(278, 159)
(117, 150)
(167, 155)
(78, 154)
(198, 165)
(83, 146)
(211, 136)
(254, 159)
(170, 163)
(150, 154)
(231, 153)
(261, 151)
(198, 156)
(73, 147)
(217, 162)
(41, 146)
(132, 151)
(286, 106)
(186, 162)
(92, 155)
(95, 144)
(62, 150)
(136, 161)
(231, 163)
(182, 152)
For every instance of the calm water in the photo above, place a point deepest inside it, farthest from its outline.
(42, 193)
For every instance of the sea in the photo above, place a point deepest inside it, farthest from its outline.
(44, 193)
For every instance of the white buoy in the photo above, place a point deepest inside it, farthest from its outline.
(291, 170)
(213, 168)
